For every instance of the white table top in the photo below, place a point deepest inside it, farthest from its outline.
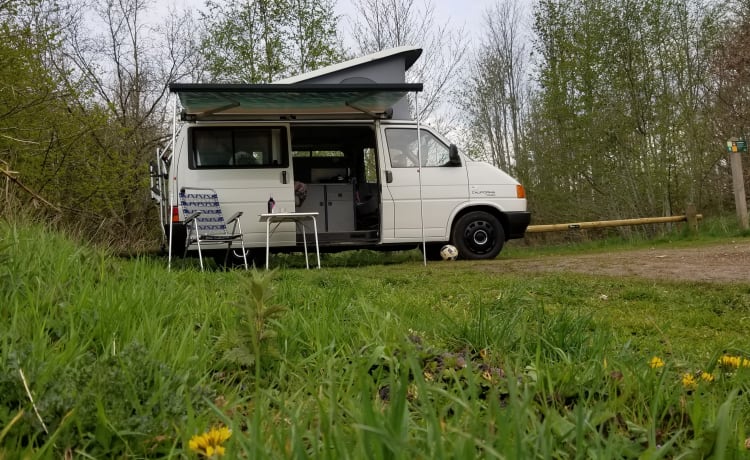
(286, 215)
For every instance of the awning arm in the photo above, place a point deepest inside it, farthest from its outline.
(195, 116)
(387, 114)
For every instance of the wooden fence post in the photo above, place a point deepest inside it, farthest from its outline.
(692, 218)
(738, 182)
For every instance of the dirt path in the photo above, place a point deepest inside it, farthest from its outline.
(721, 263)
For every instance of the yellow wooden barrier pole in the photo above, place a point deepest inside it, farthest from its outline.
(607, 223)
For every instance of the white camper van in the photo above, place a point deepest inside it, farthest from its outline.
(338, 142)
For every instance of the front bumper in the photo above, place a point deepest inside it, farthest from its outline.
(516, 224)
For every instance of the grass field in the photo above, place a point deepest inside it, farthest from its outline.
(374, 356)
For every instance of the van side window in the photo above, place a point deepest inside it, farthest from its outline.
(371, 165)
(238, 147)
(402, 148)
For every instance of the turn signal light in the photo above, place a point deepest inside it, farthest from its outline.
(520, 191)
(175, 214)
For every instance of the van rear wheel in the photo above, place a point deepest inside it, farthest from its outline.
(478, 235)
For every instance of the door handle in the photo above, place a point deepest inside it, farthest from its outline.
(283, 177)
(388, 176)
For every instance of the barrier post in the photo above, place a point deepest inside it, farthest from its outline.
(692, 218)
(735, 147)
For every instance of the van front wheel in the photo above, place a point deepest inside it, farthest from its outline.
(478, 235)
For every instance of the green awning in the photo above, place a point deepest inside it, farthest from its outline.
(216, 101)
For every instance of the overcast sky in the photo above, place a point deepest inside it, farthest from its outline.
(456, 13)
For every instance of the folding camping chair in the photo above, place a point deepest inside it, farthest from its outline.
(205, 223)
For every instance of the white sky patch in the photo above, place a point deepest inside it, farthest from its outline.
(467, 13)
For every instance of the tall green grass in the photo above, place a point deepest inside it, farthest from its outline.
(373, 357)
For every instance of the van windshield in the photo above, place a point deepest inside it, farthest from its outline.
(239, 147)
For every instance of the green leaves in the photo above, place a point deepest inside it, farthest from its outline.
(265, 40)
(620, 124)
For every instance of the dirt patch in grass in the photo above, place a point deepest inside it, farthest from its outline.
(720, 263)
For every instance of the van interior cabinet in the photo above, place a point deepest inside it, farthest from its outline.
(335, 205)
(315, 202)
(339, 208)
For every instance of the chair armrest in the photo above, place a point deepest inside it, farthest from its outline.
(192, 217)
(234, 217)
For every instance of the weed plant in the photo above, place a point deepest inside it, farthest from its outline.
(381, 360)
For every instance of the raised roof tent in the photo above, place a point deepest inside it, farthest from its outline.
(387, 66)
(370, 86)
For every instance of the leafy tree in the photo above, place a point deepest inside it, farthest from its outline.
(383, 24)
(731, 74)
(265, 40)
(86, 107)
(495, 88)
(34, 116)
(123, 67)
(313, 38)
(621, 123)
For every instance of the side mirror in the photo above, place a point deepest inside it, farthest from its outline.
(454, 159)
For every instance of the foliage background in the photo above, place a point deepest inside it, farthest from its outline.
(604, 109)
(614, 109)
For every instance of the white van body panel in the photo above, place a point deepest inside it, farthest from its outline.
(442, 192)
(492, 186)
(246, 190)
(409, 204)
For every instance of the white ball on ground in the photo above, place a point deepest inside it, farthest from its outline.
(449, 252)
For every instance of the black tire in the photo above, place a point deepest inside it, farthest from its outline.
(478, 235)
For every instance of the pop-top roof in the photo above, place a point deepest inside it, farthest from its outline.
(201, 101)
(370, 86)
(405, 55)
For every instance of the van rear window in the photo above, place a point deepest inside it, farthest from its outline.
(238, 147)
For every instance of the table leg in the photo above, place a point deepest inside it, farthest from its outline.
(304, 242)
(268, 239)
(317, 248)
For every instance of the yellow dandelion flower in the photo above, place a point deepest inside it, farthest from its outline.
(706, 377)
(728, 361)
(656, 362)
(688, 381)
(209, 444)
(733, 362)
